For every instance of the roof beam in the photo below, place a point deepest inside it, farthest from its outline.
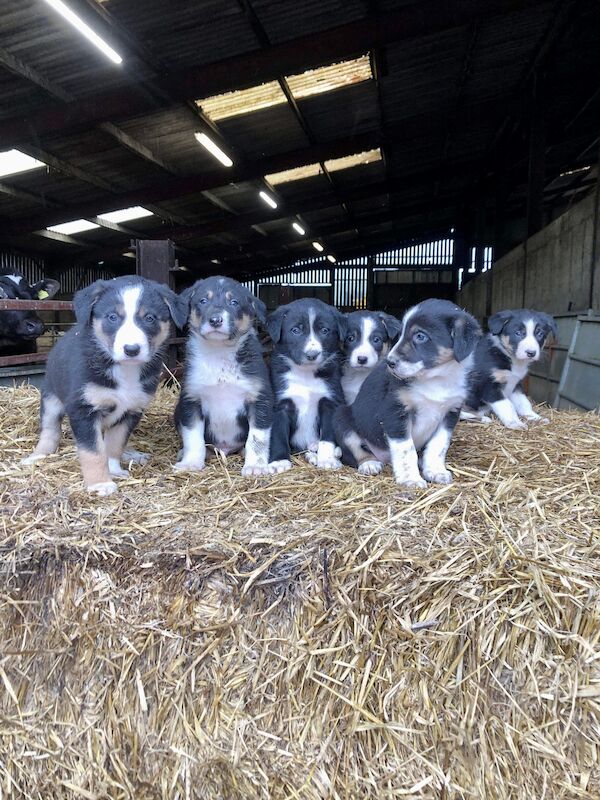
(416, 19)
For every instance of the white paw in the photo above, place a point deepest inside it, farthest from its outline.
(33, 458)
(311, 457)
(537, 418)
(328, 463)
(485, 419)
(102, 489)
(280, 466)
(517, 425)
(314, 447)
(370, 467)
(136, 456)
(189, 466)
(444, 476)
(118, 472)
(256, 470)
(412, 483)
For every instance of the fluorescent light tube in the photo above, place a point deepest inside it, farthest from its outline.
(267, 199)
(318, 246)
(331, 258)
(76, 226)
(84, 29)
(214, 149)
(125, 214)
(298, 228)
(14, 161)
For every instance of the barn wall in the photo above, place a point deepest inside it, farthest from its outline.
(556, 265)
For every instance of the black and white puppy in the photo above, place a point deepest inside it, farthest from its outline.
(411, 401)
(226, 397)
(20, 329)
(305, 370)
(502, 360)
(369, 336)
(104, 372)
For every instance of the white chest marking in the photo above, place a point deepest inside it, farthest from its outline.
(215, 377)
(517, 373)
(305, 389)
(352, 380)
(128, 395)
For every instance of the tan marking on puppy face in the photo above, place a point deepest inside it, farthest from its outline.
(506, 343)
(94, 466)
(163, 333)
(385, 349)
(209, 294)
(501, 375)
(244, 324)
(445, 354)
(194, 320)
(228, 295)
(100, 336)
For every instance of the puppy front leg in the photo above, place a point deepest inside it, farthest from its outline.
(260, 419)
(405, 463)
(506, 413)
(327, 451)
(86, 427)
(523, 406)
(190, 422)
(284, 421)
(433, 463)
(115, 439)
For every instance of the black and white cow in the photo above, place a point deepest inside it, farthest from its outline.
(20, 329)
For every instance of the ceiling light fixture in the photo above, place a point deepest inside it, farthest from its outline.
(318, 246)
(298, 228)
(76, 226)
(267, 199)
(85, 29)
(125, 214)
(331, 258)
(214, 149)
(14, 161)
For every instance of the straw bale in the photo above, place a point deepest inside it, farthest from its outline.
(310, 635)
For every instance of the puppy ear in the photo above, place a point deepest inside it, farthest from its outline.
(392, 325)
(45, 289)
(84, 300)
(178, 306)
(342, 324)
(465, 334)
(260, 310)
(497, 321)
(546, 319)
(274, 323)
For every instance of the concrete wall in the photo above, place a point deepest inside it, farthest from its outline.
(555, 264)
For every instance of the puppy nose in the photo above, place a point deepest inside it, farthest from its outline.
(131, 350)
(312, 355)
(392, 361)
(216, 321)
(362, 359)
(530, 353)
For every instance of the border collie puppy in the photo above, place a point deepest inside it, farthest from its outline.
(226, 397)
(305, 370)
(502, 360)
(104, 372)
(20, 329)
(369, 336)
(411, 401)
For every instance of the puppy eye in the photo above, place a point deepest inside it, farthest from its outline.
(376, 339)
(420, 337)
(112, 317)
(296, 330)
(350, 338)
(324, 331)
(520, 334)
(234, 302)
(539, 333)
(150, 318)
(203, 300)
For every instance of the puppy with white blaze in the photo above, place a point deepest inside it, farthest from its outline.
(305, 370)
(369, 336)
(104, 372)
(515, 341)
(411, 401)
(226, 397)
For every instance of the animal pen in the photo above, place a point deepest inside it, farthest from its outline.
(312, 634)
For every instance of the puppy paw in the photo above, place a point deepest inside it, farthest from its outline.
(189, 466)
(311, 457)
(412, 484)
(370, 467)
(443, 476)
(314, 447)
(33, 458)
(516, 425)
(102, 489)
(118, 472)
(485, 419)
(136, 456)
(537, 418)
(328, 463)
(256, 470)
(276, 467)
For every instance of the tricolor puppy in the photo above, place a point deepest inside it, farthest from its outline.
(502, 360)
(305, 370)
(411, 401)
(369, 336)
(226, 397)
(104, 372)
(19, 329)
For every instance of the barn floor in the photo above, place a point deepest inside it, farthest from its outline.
(310, 635)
